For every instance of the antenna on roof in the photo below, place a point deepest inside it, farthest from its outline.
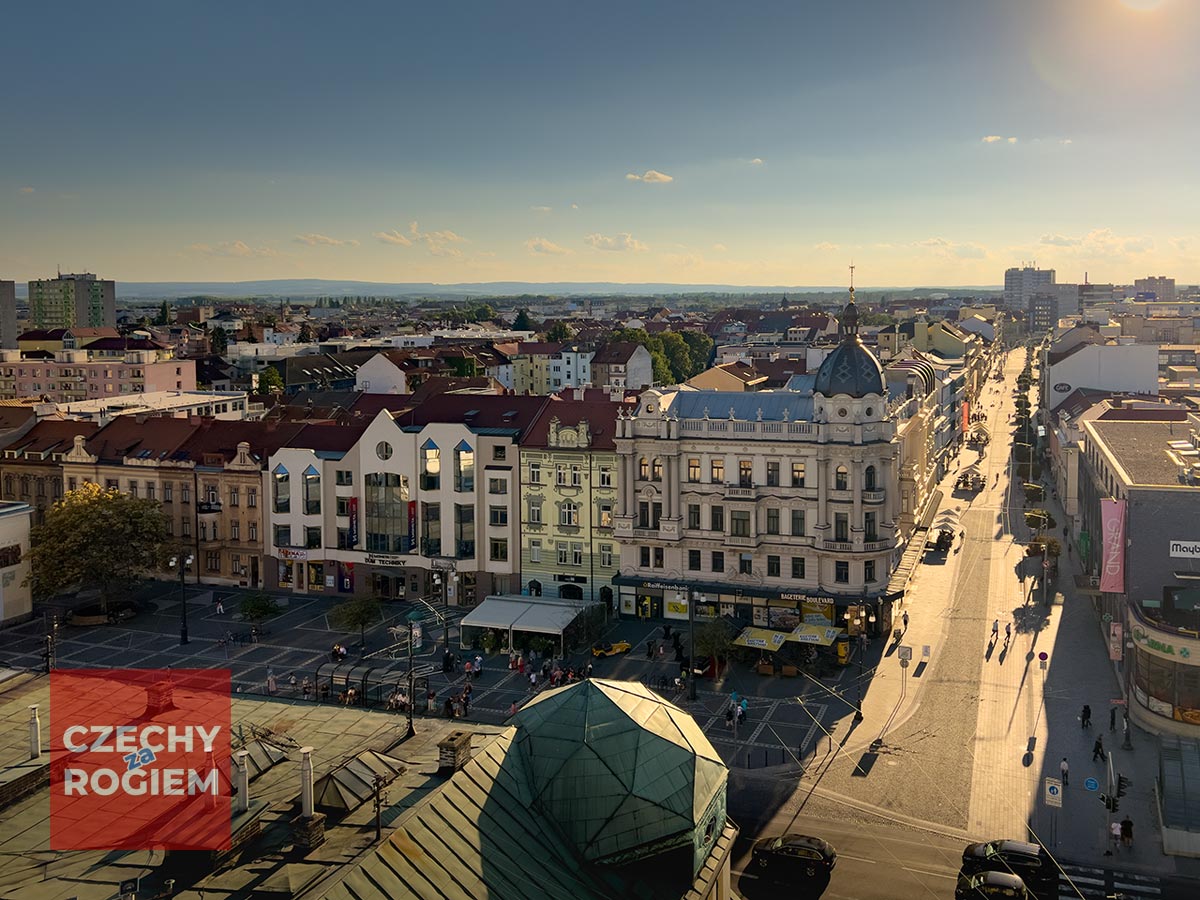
(851, 276)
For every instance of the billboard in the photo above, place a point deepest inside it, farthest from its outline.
(353, 521)
(1112, 554)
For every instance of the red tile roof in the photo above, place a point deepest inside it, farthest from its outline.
(601, 416)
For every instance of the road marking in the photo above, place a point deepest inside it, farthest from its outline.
(930, 874)
(857, 858)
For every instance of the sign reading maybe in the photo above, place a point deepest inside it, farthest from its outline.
(1185, 549)
(140, 759)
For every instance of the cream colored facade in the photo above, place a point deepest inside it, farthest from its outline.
(16, 604)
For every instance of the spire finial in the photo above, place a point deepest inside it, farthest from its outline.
(851, 276)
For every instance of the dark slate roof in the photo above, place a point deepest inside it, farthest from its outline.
(52, 436)
(476, 411)
(156, 438)
(776, 406)
(850, 368)
(615, 353)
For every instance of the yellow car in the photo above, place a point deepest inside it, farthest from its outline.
(607, 649)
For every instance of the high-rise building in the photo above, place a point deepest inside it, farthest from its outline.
(8, 315)
(1161, 286)
(1043, 313)
(1094, 295)
(72, 300)
(1021, 284)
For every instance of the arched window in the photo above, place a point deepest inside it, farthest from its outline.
(312, 491)
(606, 595)
(841, 479)
(464, 467)
(570, 592)
(283, 489)
(431, 466)
(869, 479)
(643, 468)
(535, 588)
(656, 472)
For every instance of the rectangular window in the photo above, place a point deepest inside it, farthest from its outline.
(560, 475)
(203, 531)
(186, 528)
(798, 523)
(841, 527)
(797, 566)
(869, 571)
(606, 555)
(149, 490)
(745, 564)
(773, 566)
(464, 530)
(431, 466)
(576, 476)
(869, 527)
(283, 491)
(693, 520)
(841, 572)
(431, 529)
(739, 523)
(772, 474)
(170, 528)
(576, 554)
(718, 561)
(535, 473)
(464, 468)
(643, 520)
(133, 488)
(563, 552)
(234, 499)
(658, 557)
(606, 514)
(497, 515)
(535, 512)
(343, 506)
(606, 479)
(498, 548)
(253, 528)
(497, 486)
(643, 469)
(312, 538)
(693, 470)
(109, 484)
(717, 471)
(745, 473)
(644, 557)
(716, 518)
(252, 497)
(655, 514)
(312, 492)
(343, 478)
(283, 535)
(168, 493)
(235, 530)
(797, 474)
(535, 550)
(343, 539)
(772, 521)
(693, 560)
(212, 561)
(657, 470)
(500, 452)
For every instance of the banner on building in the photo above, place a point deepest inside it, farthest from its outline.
(346, 577)
(412, 524)
(1112, 556)
(353, 521)
(966, 422)
(1115, 640)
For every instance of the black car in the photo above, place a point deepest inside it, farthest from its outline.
(989, 886)
(1029, 861)
(794, 854)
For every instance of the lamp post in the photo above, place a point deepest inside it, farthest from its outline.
(858, 716)
(183, 562)
(412, 699)
(697, 597)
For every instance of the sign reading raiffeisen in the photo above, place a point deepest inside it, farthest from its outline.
(1185, 549)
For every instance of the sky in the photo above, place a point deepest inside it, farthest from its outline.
(929, 142)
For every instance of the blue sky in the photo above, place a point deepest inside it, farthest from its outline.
(932, 142)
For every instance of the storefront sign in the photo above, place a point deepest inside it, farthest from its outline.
(807, 598)
(1185, 549)
(412, 524)
(1116, 642)
(1163, 645)
(346, 577)
(291, 553)
(662, 586)
(676, 607)
(385, 559)
(1112, 567)
(966, 417)
(353, 521)
(1062, 388)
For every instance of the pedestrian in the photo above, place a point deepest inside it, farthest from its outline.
(520, 665)
(1114, 829)
(662, 651)
(904, 619)
(512, 708)
(729, 717)
(292, 683)
(1065, 770)
(1098, 749)
(1127, 831)
(272, 685)
(1112, 719)
(649, 649)
(533, 680)
(1007, 633)
(1086, 716)
(220, 607)
(741, 715)
(996, 630)
(478, 670)
(467, 670)
(306, 687)
(587, 672)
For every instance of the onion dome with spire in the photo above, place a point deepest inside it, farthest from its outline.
(850, 368)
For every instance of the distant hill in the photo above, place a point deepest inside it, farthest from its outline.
(300, 288)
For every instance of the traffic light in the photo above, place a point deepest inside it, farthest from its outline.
(1122, 785)
(1110, 802)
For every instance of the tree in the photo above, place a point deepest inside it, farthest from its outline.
(270, 381)
(164, 315)
(559, 331)
(357, 612)
(700, 345)
(96, 538)
(522, 322)
(677, 354)
(714, 640)
(306, 335)
(258, 607)
(218, 340)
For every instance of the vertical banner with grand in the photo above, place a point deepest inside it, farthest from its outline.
(1112, 554)
(139, 759)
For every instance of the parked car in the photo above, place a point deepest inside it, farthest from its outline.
(990, 886)
(1029, 861)
(607, 649)
(794, 854)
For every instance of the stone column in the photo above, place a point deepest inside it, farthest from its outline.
(35, 733)
(822, 493)
(856, 487)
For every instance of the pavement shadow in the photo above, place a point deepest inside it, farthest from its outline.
(755, 886)
(991, 648)
(1031, 619)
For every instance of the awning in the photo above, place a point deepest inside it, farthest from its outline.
(814, 634)
(542, 616)
(494, 613)
(761, 638)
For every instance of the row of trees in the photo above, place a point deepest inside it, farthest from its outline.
(677, 355)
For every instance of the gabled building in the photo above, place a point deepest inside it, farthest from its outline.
(622, 365)
(31, 466)
(546, 367)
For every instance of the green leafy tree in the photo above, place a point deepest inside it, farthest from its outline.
(258, 607)
(218, 340)
(306, 335)
(559, 331)
(96, 538)
(677, 354)
(164, 315)
(700, 345)
(714, 639)
(270, 381)
(357, 613)
(522, 322)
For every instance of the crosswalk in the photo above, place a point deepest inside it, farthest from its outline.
(1095, 883)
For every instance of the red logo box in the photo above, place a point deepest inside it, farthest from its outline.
(139, 759)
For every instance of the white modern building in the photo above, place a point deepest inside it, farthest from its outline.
(1020, 284)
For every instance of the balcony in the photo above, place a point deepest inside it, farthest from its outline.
(876, 546)
(839, 546)
(741, 540)
(208, 507)
(872, 496)
(739, 492)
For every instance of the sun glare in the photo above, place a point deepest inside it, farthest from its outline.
(1142, 5)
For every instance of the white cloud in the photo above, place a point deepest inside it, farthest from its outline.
(313, 239)
(719, 248)
(1100, 243)
(542, 245)
(998, 139)
(651, 176)
(574, 206)
(757, 161)
(540, 209)
(1012, 140)
(25, 190)
(238, 249)
(1066, 141)
(1058, 240)
(826, 247)
(619, 242)
(953, 249)
(393, 237)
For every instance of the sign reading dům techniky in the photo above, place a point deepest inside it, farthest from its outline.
(139, 759)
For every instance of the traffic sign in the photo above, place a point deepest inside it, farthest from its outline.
(1043, 656)
(904, 652)
(1092, 784)
(1106, 618)
(1052, 795)
(904, 663)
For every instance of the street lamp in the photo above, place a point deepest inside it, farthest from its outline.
(412, 617)
(858, 622)
(183, 563)
(697, 597)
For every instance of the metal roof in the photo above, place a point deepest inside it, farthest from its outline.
(775, 406)
(352, 782)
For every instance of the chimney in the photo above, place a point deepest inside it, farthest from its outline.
(242, 804)
(454, 752)
(306, 782)
(35, 733)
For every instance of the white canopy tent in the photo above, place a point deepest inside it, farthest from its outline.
(537, 615)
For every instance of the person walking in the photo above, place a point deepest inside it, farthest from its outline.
(1007, 633)
(729, 717)
(904, 619)
(1114, 829)
(220, 607)
(1098, 749)
(1065, 770)
(1085, 717)
(1127, 831)
(996, 630)
(478, 670)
